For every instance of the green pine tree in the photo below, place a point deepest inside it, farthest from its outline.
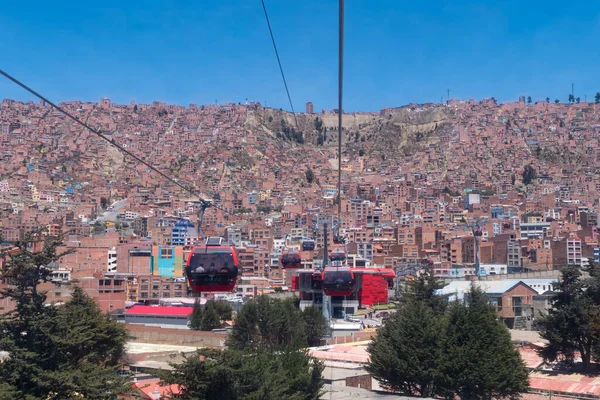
(55, 352)
(316, 325)
(267, 322)
(479, 360)
(210, 320)
(224, 310)
(573, 322)
(251, 374)
(406, 353)
(195, 318)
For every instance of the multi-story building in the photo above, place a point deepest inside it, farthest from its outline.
(513, 257)
(574, 254)
(183, 233)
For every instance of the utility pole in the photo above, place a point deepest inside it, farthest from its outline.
(326, 299)
(476, 229)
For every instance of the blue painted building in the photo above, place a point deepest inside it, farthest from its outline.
(181, 230)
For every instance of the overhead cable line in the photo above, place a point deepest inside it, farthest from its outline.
(204, 203)
(279, 62)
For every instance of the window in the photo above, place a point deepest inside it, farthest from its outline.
(166, 253)
(166, 287)
(155, 287)
(118, 283)
(144, 295)
(143, 287)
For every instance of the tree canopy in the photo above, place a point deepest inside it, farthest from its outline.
(572, 324)
(272, 323)
(430, 347)
(210, 316)
(55, 352)
(251, 374)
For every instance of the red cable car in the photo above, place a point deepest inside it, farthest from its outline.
(213, 267)
(338, 281)
(337, 255)
(291, 260)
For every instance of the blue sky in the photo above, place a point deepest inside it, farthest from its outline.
(395, 52)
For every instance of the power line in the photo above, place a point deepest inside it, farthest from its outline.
(279, 62)
(205, 203)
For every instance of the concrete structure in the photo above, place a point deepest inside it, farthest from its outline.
(309, 108)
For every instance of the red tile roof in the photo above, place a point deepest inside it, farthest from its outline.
(165, 311)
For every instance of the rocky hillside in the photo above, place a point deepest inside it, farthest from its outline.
(389, 134)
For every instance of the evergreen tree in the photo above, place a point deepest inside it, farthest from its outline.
(55, 352)
(479, 360)
(573, 322)
(310, 175)
(548, 100)
(267, 322)
(424, 289)
(528, 99)
(223, 309)
(529, 174)
(210, 320)
(196, 316)
(316, 325)
(597, 98)
(256, 374)
(406, 353)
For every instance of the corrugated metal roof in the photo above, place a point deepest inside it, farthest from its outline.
(162, 311)
(489, 287)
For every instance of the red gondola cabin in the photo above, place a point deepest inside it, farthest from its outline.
(291, 260)
(338, 281)
(213, 267)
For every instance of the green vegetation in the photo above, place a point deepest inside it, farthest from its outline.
(459, 350)
(270, 323)
(290, 133)
(597, 98)
(529, 174)
(210, 316)
(573, 322)
(259, 374)
(55, 352)
(264, 357)
(310, 175)
(528, 99)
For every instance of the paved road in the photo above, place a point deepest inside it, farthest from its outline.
(112, 215)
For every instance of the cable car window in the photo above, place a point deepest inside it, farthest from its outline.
(338, 279)
(215, 263)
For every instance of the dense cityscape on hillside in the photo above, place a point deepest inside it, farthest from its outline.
(503, 195)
